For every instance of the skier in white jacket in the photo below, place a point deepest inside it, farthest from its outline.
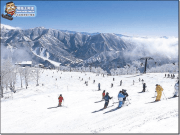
(176, 87)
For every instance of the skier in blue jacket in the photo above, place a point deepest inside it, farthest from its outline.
(120, 98)
(106, 98)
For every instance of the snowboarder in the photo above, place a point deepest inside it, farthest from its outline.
(120, 98)
(99, 86)
(10, 10)
(60, 100)
(125, 94)
(159, 90)
(176, 87)
(103, 94)
(106, 98)
(144, 87)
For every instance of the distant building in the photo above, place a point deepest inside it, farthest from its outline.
(39, 66)
(24, 63)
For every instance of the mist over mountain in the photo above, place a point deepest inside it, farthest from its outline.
(106, 50)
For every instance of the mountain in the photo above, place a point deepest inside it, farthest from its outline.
(49, 46)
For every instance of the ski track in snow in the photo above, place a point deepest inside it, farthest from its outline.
(28, 111)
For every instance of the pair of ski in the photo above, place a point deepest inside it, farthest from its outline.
(56, 107)
(166, 99)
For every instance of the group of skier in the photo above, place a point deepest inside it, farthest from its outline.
(121, 97)
(123, 94)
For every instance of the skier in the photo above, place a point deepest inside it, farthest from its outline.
(60, 100)
(113, 79)
(159, 90)
(168, 75)
(103, 94)
(120, 82)
(125, 94)
(99, 86)
(133, 82)
(144, 87)
(165, 75)
(176, 87)
(106, 98)
(142, 81)
(94, 81)
(139, 79)
(120, 98)
(111, 85)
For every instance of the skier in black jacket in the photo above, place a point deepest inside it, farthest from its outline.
(125, 94)
(106, 98)
(144, 87)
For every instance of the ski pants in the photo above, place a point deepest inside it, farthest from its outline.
(176, 93)
(59, 103)
(159, 93)
(120, 103)
(106, 104)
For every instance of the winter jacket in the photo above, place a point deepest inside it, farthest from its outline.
(60, 99)
(125, 94)
(120, 97)
(103, 94)
(176, 86)
(159, 88)
(144, 86)
(107, 97)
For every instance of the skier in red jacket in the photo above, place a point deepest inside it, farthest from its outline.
(60, 100)
(103, 94)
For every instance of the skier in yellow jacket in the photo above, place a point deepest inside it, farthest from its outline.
(159, 90)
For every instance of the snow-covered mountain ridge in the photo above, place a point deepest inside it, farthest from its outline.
(106, 50)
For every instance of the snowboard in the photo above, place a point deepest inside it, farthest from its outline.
(7, 17)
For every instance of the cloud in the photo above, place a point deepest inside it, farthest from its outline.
(153, 46)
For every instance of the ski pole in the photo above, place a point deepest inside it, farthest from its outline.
(113, 100)
(155, 94)
(128, 100)
(164, 95)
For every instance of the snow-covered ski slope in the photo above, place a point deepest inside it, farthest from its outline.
(28, 111)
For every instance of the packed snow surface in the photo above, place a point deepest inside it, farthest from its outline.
(27, 110)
